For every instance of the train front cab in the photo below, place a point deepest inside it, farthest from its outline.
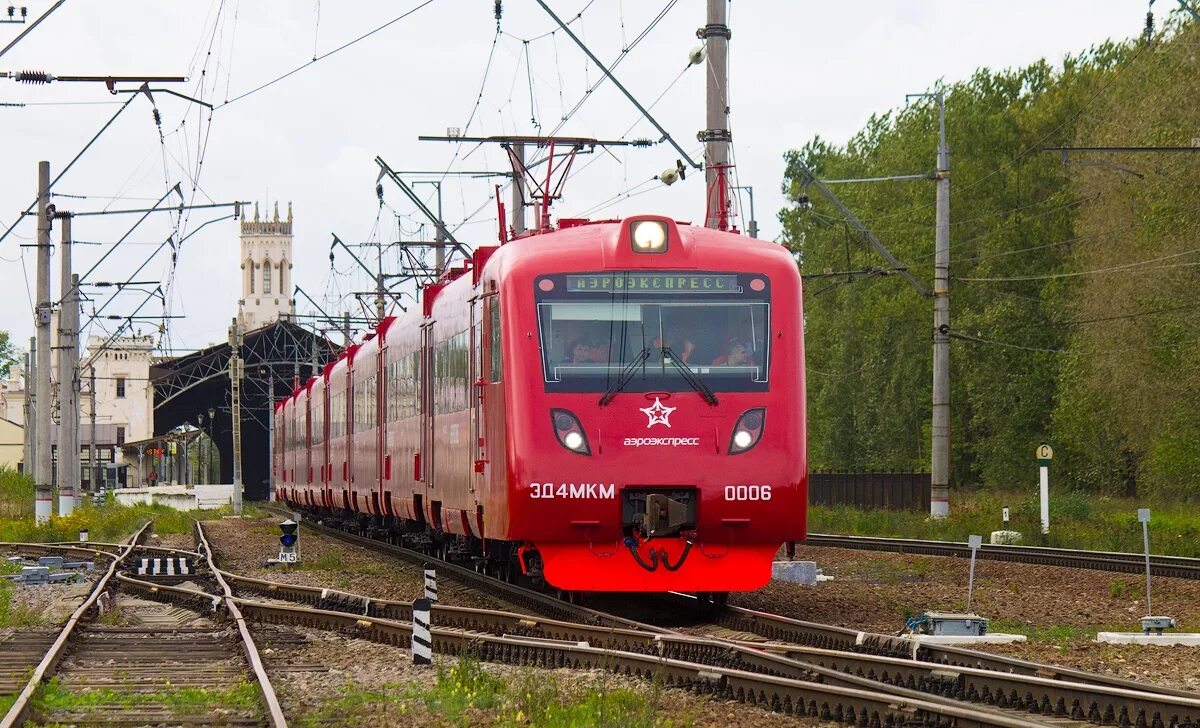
(660, 445)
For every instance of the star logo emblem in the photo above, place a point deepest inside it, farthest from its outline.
(658, 413)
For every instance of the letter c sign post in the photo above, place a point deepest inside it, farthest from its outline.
(1045, 454)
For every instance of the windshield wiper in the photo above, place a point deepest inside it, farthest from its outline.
(626, 374)
(690, 377)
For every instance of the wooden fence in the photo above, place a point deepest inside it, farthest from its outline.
(894, 491)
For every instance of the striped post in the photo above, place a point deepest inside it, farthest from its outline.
(430, 583)
(422, 641)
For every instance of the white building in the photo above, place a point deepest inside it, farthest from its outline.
(12, 397)
(124, 397)
(266, 259)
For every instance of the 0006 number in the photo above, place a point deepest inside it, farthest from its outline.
(747, 492)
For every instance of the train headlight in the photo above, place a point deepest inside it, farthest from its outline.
(748, 430)
(648, 236)
(569, 432)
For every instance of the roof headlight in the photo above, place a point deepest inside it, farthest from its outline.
(649, 236)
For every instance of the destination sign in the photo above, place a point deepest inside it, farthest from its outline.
(656, 282)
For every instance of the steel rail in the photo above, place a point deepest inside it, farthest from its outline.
(140, 547)
(675, 651)
(493, 621)
(778, 627)
(783, 694)
(1160, 565)
(998, 680)
(705, 650)
(520, 596)
(1047, 695)
(274, 711)
(811, 634)
(18, 712)
(45, 547)
(904, 678)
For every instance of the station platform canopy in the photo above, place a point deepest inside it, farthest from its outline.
(275, 358)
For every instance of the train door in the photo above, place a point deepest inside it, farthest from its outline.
(348, 441)
(475, 383)
(326, 432)
(427, 455)
(383, 461)
(308, 442)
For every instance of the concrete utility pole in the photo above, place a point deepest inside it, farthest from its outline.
(380, 290)
(939, 497)
(716, 136)
(27, 455)
(518, 189)
(68, 377)
(42, 473)
(93, 466)
(235, 379)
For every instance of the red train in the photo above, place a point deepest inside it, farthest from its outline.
(615, 406)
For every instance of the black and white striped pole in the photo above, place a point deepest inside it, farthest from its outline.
(430, 583)
(422, 641)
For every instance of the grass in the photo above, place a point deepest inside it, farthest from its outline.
(106, 523)
(1077, 520)
(467, 695)
(52, 696)
(15, 615)
(16, 494)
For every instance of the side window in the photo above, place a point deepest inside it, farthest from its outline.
(494, 340)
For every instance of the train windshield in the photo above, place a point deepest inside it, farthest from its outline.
(593, 326)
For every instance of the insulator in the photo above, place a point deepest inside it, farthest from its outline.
(11, 11)
(499, 10)
(35, 77)
(24, 12)
(157, 118)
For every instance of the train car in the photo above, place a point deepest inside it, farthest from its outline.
(610, 406)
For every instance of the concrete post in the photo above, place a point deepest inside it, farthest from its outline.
(27, 418)
(42, 473)
(939, 501)
(68, 376)
(518, 189)
(716, 135)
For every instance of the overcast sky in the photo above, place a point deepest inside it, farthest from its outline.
(798, 69)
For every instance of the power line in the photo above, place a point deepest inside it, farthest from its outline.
(978, 340)
(1135, 267)
(323, 56)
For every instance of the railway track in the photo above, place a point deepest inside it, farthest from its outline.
(1176, 566)
(1003, 687)
(151, 670)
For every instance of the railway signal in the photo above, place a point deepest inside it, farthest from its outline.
(289, 542)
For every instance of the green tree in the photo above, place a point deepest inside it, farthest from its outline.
(8, 355)
(868, 333)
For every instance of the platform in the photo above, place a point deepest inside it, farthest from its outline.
(1177, 639)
